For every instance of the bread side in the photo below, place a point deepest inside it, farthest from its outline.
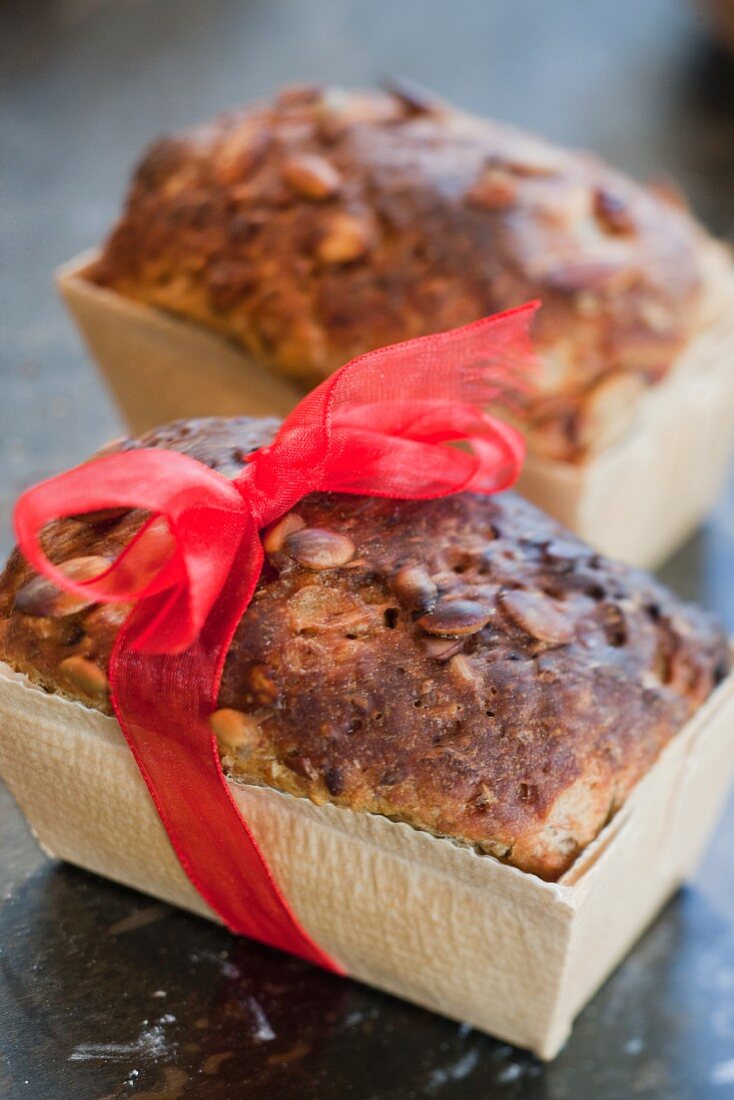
(464, 665)
(314, 227)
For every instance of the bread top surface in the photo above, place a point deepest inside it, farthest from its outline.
(325, 223)
(466, 665)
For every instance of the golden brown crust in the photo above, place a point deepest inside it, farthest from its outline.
(325, 223)
(464, 665)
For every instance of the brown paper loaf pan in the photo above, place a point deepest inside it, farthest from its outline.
(637, 500)
(416, 915)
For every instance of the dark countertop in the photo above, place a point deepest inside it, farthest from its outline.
(104, 993)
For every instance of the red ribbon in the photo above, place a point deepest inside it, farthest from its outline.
(377, 427)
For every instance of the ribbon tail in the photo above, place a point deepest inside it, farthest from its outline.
(162, 702)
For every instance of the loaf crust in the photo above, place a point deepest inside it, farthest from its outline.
(322, 224)
(470, 667)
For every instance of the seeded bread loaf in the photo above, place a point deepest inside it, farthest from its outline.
(320, 225)
(464, 665)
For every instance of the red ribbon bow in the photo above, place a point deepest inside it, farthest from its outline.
(376, 427)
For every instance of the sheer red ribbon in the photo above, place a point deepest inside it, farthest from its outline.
(376, 427)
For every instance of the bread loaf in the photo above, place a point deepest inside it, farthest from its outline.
(322, 224)
(464, 665)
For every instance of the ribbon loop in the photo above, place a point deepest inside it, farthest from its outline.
(397, 450)
(188, 545)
